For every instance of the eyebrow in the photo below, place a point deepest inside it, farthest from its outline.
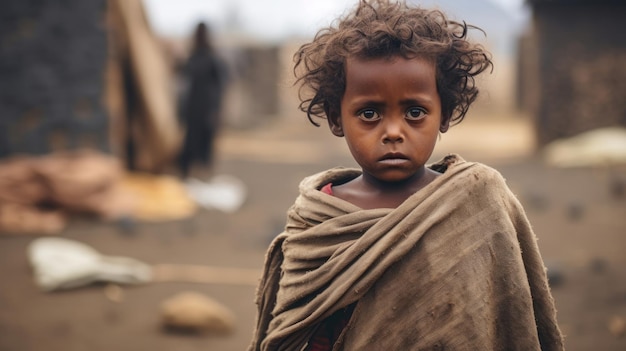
(408, 101)
(366, 100)
(422, 100)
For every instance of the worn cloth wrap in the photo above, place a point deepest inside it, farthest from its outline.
(454, 267)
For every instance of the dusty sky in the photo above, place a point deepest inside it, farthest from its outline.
(267, 19)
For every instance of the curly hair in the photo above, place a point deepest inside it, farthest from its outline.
(379, 29)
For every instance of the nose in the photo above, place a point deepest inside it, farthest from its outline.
(393, 131)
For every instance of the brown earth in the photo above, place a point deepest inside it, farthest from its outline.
(577, 214)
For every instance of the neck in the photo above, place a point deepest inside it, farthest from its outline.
(415, 182)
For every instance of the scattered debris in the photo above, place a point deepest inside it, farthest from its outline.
(575, 211)
(18, 219)
(598, 265)
(194, 312)
(603, 148)
(38, 192)
(158, 197)
(599, 147)
(63, 264)
(60, 263)
(617, 326)
(617, 187)
(114, 293)
(536, 201)
(223, 192)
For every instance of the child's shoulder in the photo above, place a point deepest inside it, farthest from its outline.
(456, 163)
(336, 175)
(469, 174)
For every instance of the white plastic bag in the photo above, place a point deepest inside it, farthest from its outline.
(223, 192)
(60, 263)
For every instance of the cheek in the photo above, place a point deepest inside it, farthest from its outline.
(428, 140)
(359, 145)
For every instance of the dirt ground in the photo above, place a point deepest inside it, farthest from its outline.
(579, 217)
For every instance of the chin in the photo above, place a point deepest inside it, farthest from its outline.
(394, 176)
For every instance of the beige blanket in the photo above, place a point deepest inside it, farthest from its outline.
(455, 267)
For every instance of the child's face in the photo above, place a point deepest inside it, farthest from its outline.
(390, 115)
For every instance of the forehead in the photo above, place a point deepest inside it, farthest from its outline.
(367, 72)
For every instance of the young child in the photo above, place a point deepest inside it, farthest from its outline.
(398, 255)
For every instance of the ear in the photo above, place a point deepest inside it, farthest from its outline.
(334, 122)
(445, 124)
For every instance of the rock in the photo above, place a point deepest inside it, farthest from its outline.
(114, 293)
(196, 313)
(617, 187)
(575, 211)
(536, 201)
(598, 265)
(617, 326)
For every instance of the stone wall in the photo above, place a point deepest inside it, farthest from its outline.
(52, 62)
(580, 76)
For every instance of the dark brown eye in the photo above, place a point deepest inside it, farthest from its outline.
(369, 115)
(415, 113)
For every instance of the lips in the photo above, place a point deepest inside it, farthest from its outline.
(394, 159)
(394, 156)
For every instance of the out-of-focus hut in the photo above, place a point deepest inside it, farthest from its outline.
(88, 74)
(139, 93)
(572, 71)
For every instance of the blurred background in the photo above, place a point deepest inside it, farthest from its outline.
(149, 151)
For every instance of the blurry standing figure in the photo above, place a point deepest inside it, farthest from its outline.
(201, 102)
